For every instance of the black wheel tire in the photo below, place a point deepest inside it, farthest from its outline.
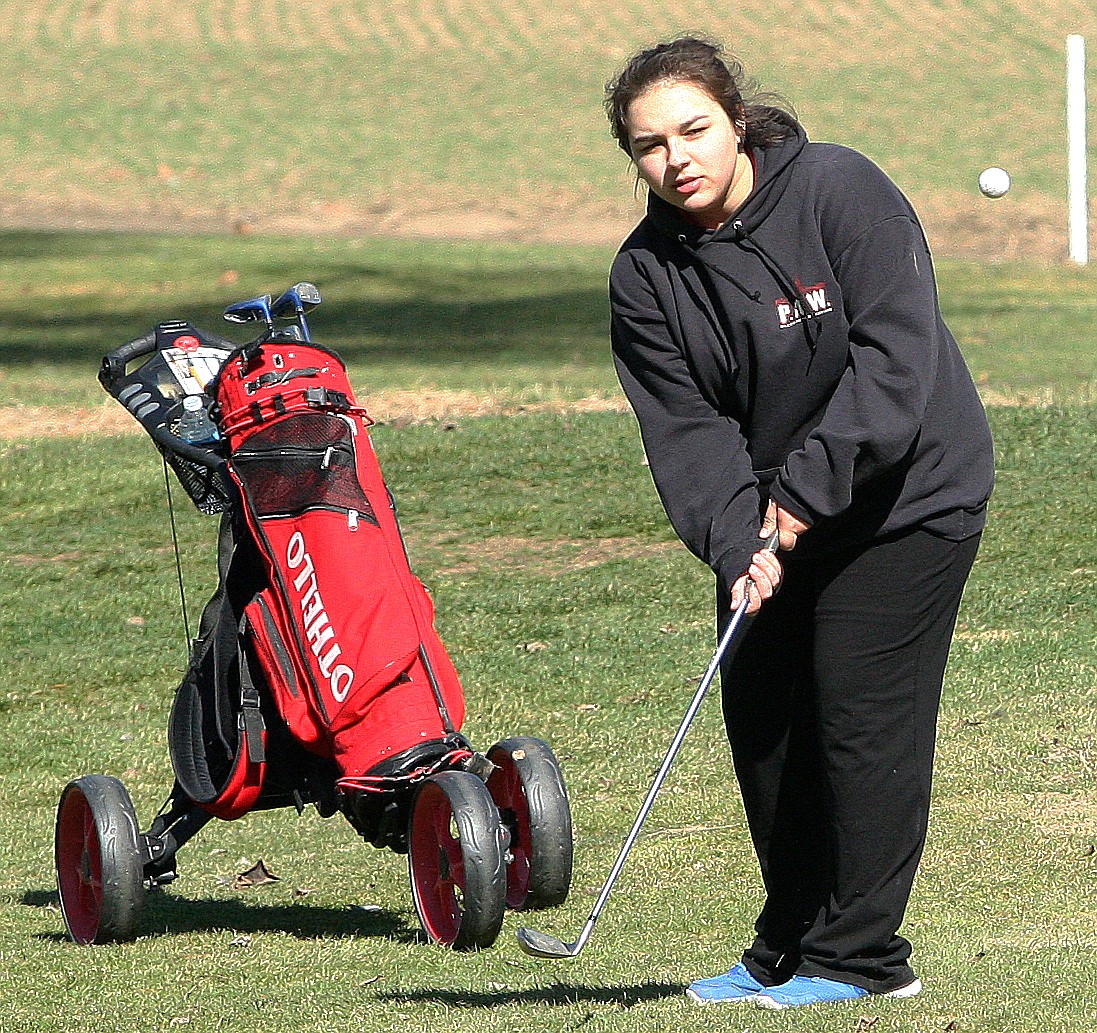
(527, 786)
(455, 859)
(100, 869)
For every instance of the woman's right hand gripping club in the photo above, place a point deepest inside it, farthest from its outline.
(761, 580)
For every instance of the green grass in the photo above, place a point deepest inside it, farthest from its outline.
(515, 321)
(544, 530)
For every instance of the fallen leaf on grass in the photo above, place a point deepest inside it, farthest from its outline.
(258, 875)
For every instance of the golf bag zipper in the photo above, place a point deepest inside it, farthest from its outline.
(327, 456)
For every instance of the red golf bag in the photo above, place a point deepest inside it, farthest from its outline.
(340, 626)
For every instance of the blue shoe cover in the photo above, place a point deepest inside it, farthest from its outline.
(801, 990)
(736, 985)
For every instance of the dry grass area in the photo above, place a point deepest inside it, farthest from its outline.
(393, 407)
(400, 408)
(464, 557)
(481, 118)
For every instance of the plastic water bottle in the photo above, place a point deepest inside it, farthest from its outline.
(195, 426)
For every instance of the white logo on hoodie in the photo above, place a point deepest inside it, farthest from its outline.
(791, 313)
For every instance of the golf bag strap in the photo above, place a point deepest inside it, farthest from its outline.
(251, 723)
(217, 733)
(244, 781)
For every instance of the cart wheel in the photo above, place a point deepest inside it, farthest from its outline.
(455, 858)
(100, 869)
(528, 788)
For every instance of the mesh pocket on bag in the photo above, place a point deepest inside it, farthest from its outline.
(205, 485)
(303, 462)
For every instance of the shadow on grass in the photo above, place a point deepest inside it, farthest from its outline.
(444, 310)
(556, 994)
(165, 914)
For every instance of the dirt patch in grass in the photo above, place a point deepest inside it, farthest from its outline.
(27, 560)
(463, 557)
(394, 408)
(1072, 814)
(957, 225)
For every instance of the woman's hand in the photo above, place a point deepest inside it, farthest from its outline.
(789, 527)
(761, 580)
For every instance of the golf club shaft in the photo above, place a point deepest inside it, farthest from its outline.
(730, 632)
(668, 760)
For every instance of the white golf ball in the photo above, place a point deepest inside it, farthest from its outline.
(993, 182)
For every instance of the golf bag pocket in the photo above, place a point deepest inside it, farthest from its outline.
(285, 676)
(216, 733)
(303, 462)
(339, 626)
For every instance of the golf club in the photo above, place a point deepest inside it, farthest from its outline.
(544, 945)
(251, 311)
(294, 302)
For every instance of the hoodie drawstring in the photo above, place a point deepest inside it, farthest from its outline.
(810, 318)
(755, 296)
(812, 329)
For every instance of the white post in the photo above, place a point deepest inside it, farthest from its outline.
(1077, 191)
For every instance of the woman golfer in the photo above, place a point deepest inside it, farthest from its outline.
(776, 329)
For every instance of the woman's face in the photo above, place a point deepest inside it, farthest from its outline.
(687, 151)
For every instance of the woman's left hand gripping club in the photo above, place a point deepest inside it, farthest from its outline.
(788, 527)
(763, 577)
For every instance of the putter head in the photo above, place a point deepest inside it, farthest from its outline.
(301, 297)
(251, 311)
(542, 945)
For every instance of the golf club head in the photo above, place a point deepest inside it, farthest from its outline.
(251, 311)
(301, 297)
(543, 945)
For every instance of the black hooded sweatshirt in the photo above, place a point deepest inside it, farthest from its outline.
(798, 353)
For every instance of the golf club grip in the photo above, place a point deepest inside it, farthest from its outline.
(740, 617)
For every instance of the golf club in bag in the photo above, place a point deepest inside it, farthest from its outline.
(544, 945)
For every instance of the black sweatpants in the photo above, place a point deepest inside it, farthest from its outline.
(831, 709)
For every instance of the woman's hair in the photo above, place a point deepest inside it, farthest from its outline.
(762, 119)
